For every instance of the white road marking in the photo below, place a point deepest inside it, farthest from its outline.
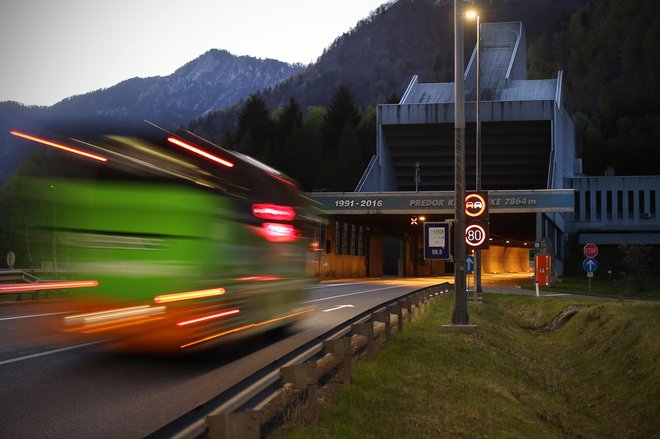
(55, 351)
(338, 307)
(333, 285)
(352, 294)
(33, 315)
(556, 294)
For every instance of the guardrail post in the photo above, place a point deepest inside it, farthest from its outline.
(384, 317)
(416, 304)
(306, 375)
(421, 300)
(407, 303)
(367, 330)
(396, 309)
(234, 425)
(341, 347)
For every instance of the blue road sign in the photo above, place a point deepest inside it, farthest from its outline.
(590, 265)
(436, 241)
(469, 264)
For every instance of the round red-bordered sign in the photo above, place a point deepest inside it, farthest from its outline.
(475, 205)
(475, 235)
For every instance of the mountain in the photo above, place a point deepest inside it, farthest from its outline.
(214, 80)
(381, 53)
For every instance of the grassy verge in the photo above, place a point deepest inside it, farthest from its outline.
(597, 376)
(600, 286)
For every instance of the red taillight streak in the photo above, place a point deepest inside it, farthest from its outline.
(275, 232)
(198, 151)
(189, 295)
(40, 286)
(284, 180)
(273, 212)
(209, 317)
(59, 146)
(243, 328)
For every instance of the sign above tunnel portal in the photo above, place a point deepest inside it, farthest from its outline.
(442, 202)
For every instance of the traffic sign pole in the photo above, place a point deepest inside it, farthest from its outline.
(590, 264)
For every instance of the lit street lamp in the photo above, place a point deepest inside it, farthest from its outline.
(472, 14)
(460, 314)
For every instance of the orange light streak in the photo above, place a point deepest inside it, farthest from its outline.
(40, 286)
(243, 328)
(59, 146)
(188, 295)
(198, 151)
(260, 278)
(209, 317)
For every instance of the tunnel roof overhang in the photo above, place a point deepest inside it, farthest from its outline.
(442, 202)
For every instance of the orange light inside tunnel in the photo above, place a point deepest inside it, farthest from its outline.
(198, 151)
(273, 212)
(188, 295)
(59, 146)
(275, 232)
(231, 312)
(40, 286)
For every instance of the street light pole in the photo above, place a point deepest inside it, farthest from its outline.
(460, 314)
(477, 255)
(477, 156)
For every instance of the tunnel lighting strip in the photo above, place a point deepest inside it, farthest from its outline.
(40, 286)
(59, 146)
(198, 151)
(243, 328)
(176, 297)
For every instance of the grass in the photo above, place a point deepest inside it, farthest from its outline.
(597, 376)
(600, 286)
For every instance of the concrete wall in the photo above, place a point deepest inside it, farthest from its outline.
(616, 203)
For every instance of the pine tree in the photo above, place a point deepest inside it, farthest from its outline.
(255, 128)
(342, 112)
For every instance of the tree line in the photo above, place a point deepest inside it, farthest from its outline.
(323, 148)
(610, 53)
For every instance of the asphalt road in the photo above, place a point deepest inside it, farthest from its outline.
(62, 387)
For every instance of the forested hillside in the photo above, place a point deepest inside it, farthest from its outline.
(610, 54)
(372, 64)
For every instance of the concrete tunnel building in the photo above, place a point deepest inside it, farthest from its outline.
(529, 168)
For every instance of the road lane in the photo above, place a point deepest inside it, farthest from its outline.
(86, 391)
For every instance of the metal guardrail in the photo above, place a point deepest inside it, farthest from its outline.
(20, 277)
(235, 413)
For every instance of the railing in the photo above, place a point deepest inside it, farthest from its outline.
(19, 285)
(366, 173)
(247, 408)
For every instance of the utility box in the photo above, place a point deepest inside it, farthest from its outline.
(543, 269)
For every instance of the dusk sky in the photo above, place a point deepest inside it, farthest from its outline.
(53, 49)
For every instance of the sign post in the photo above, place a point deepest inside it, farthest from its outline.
(590, 264)
(11, 259)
